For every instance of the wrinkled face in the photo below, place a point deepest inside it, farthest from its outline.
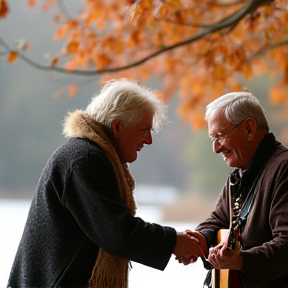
(131, 140)
(229, 140)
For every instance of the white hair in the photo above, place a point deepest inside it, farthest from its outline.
(238, 106)
(127, 101)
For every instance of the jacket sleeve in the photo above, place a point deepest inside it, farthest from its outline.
(219, 218)
(92, 197)
(267, 260)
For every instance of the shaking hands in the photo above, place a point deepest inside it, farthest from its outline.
(190, 245)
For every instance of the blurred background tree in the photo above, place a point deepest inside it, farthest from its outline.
(197, 49)
(191, 51)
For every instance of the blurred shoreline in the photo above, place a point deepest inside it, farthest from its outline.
(16, 194)
(182, 207)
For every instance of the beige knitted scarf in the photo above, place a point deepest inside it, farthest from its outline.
(109, 270)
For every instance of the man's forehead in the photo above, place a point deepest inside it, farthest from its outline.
(217, 122)
(217, 116)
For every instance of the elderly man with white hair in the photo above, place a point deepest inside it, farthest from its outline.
(253, 204)
(81, 229)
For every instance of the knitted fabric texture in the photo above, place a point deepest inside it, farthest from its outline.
(109, 270)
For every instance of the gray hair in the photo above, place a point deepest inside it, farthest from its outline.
(126, 100)
(237, 106)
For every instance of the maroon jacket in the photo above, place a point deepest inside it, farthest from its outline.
(265, 236)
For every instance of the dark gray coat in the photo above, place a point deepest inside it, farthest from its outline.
(75, 210)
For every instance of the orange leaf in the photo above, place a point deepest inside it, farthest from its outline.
(4, 9)
(284, 80)
(144, 73)
(180, 16)
(278, 95)
(174, 4)
(160, 95)
(219, 73)
(48, 4)
(54, 61)
(12, 56)
(72, 47)
(61, 32)
(25, 46)
(72, 90)
(170, 66)
(31, 3)
(236, 87)
(93, 16)
(58, 93)
(134, 37)
(101, 25)
(135, 13)
(198, 120)
(159, 39)
(161, 11)
(145, 4)
(247, 71)
(71, 65)
(101, 61)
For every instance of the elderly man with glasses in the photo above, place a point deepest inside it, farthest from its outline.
(253, 204)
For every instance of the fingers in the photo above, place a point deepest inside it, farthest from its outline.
(201, 240)
(183, 260)
(187, 251)
(188, 231)
(216, 249)
(213, 257)
(222, 250)
(191, 233)
(186, 261)
(223, 258)
(194, 259)
(214, 252)
(193, 238)
(187, 246)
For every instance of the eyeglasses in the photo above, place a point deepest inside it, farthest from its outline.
(222, 137)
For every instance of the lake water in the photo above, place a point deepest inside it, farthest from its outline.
(13, 215)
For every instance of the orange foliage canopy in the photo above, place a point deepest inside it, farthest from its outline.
(196, 48)
(3, 8)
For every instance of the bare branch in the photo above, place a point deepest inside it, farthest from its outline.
(236, 2)
(63, 9)
(263, 50)
(193, 25)
(203, 25)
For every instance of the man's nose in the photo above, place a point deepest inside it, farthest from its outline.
(148, 139)
(216, 146)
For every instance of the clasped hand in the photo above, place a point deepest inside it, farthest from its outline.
(190, 245)
(219, 256)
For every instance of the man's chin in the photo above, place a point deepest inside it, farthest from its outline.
(132, 159)
(227, 160)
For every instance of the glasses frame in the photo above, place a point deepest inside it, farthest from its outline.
(221, 138)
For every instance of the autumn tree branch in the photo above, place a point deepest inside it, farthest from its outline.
(229, 22)
(263, 50)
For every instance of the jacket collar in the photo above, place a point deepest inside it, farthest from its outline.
(264, 151)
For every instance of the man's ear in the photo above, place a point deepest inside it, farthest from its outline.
(116, 126)
(251, 127)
